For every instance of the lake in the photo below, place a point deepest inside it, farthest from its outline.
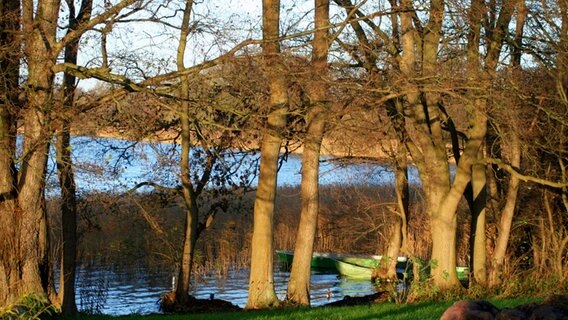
(110, 165)
(122, 291)
(104, 164)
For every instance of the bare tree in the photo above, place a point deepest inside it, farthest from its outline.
(9, 81)
(188, 192)
(65, 167)
(261, 283)
(299, 283)
(27, 270)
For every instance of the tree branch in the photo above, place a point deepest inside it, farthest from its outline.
(154, 185)
(512, 171)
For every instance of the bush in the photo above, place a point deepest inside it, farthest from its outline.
(29, 307)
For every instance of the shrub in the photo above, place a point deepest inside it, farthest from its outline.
(29, 307)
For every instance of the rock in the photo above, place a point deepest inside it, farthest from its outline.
(353, 301)
(553, 308)
(470, 310)
(548, 312)
(512, 314)
(194, 305)
(560, 302)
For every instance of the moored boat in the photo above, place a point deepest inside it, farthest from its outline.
(321, 261)
(362, 268)
(463, 273)
(353, 266)
(354, 271)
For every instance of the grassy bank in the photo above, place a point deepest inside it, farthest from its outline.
(424, 311)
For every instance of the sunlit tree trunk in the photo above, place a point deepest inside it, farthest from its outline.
(188, 194)
(507, 214)
(299, 284)
(27, 270)
(428, 148)
(9, 77)
(479, 187)
(398, 239)
(481, 69)
(261, 283)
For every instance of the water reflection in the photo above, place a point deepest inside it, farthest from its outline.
(122, 291)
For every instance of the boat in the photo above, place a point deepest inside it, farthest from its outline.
(353, 266)
(463, 273)
(321, 261)
(353, 271)
(326, 262)
(362, 268)
(348, 265)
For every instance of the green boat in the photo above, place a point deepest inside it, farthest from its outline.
(352, 266)
(463, 273)
(321, 261)
(362, 267)
(353, 271)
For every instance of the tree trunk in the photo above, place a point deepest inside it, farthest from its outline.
(68, 221)
(9, 71)
(428, 148)
(507, 214)
(65, 171)
(479, 186)
(27, 270)
(188, 194)
(261, 283)
(443, 225)
(299, 284)
(398, 239)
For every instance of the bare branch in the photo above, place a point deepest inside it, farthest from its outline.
(511, 170)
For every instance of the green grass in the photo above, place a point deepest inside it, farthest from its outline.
(424, 310)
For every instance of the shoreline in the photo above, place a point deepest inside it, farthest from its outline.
(378, 153)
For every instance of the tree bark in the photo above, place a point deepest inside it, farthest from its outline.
(67, 272)
(507, 214)
(9, 77)
(261, 282)
(427, 147)
(299, 283)
(27, 270)
(479, 186)
(398, 239)
(188, 194)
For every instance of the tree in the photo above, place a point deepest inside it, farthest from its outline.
(261, 283)
(26, 267)
(25, 244)
(368, 55)
(521, 122)
(188, 194)
(481, 70)
(299, 283)
(65, 167)
(9, 110)
(420, 117)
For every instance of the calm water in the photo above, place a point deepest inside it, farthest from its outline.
(121, 292)
(115, 165)
(103, 164)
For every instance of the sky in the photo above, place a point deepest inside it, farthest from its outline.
(152, 47)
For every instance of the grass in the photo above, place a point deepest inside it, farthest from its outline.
(423, 310)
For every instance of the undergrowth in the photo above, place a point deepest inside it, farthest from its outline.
(29, 307)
